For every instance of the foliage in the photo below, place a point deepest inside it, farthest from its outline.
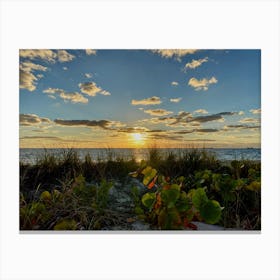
(169, 207)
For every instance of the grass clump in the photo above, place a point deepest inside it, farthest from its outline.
(67, 192)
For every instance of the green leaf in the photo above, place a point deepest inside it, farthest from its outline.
(170, 196)
(147, 170)
(66, 225)
(148, 175)
(148, 200)
(211, 212)
(199, 198)
(45, 196)
(183, 203)
(175, 187)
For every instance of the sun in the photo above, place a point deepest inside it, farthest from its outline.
(138, 137)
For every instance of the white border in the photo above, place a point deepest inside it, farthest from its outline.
(154, 24)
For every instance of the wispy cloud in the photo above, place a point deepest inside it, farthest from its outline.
(105, 124)
(158, 112)
(174, 53)
(40, 137)
(27, 78)
(174, 83)
(137, 129)
(256, 111)
(74, 97)
(202, 84)
(88, 75)
(148, 101)
(91, 89)
(32, 119)
(201, 111)
(87, 123)
(175, 100)
(90, 52)
(44, 54)
(64, 56)
(249, 120)
(186, 119)
(195, 63)
(241, 126)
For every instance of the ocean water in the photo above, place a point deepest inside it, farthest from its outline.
(31, 155)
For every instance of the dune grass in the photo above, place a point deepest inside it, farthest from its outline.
(235, 185)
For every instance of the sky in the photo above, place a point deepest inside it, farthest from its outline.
(139, 98)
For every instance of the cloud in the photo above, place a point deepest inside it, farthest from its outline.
(65, 68)
(200, 130)
(88, 75)
(105, 92)
(174, 84)
(166, 137)
(148, 101)
(32, 119)
(249, 120)
(175, 100)
(201, 111)
(242, 126)
(44, 54)
(240, 113)
(256, 111)
(202, 84)
(105, 124)
(214, 117)
(136, 129)
(87, 123)
(174, 53)
(91, 89)
(196, 63)
(74, 97)
(30, 66)
(207, 130)
(64, 56)
(53, 90)
(158, 112)
(41, 137)
(90, 52)
(27, 79)
(187, 119)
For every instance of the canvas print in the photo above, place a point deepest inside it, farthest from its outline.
(140, 140)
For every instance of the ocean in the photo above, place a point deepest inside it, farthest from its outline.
(31, 155)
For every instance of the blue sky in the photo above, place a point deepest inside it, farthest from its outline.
(134, 98)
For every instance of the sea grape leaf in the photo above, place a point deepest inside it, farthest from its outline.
(170, 196)
(45, 196)
(175, 187)
(254, 186)
(183, 205)
(199, 198)
(148, 175)
(148, 200)
(211, 212)
(146, 170)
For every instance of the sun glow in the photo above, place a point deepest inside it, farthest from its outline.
(138, 138)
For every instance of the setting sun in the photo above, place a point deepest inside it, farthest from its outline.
(138, 138)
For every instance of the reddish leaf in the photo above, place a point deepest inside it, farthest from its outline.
(152, 183)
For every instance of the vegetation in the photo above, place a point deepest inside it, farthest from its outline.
(173, 191)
